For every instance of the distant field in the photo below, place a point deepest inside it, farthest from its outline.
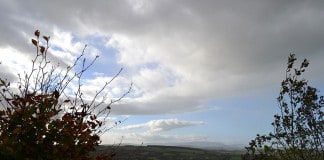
(169, 153)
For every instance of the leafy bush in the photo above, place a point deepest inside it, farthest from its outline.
(299, 127)
(40, 120)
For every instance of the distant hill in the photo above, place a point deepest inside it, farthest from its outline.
(206, 145)
(158, 152)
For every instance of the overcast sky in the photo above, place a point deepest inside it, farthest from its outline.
(207, 70)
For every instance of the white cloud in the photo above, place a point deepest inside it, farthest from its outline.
(115, 89)
(154, 131)
(11, 65)
(162, 125)
(64, 47)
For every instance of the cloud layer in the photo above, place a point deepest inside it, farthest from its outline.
(179, 54)
(155, 131)
(162, 125)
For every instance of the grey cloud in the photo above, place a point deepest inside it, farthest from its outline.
(250, 30)
(214, 48)
(157, 105)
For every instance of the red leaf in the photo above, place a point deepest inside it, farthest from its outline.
(66, 117)
(34, 42)
(15, 103)
(84, 126)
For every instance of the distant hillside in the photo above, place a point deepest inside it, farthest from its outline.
(156, 152)
(206, 145)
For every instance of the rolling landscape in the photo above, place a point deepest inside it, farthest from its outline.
(158, 152)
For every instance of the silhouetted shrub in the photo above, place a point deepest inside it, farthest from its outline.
(299, 127)
(40, 120)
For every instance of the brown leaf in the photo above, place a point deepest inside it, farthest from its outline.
(93, 125)
(16, 130)
(42, 49)
(15, 103)
(67, 100)
(46, 38)
(56, 94)
(66, 117)
(34, 42)
(84, 126)
(37, 33)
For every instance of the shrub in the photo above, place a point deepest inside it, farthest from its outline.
(299, 126)
(39, 119)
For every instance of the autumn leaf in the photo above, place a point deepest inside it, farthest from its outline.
(56, 94)
(84, 126)
(46, 38)
(34, 42)
(15, 103)
(42, 49)
(17, 130)
(37, 33)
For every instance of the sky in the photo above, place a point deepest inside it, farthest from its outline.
(202, 71)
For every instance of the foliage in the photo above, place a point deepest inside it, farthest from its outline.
(41, 118)
(299, 127)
